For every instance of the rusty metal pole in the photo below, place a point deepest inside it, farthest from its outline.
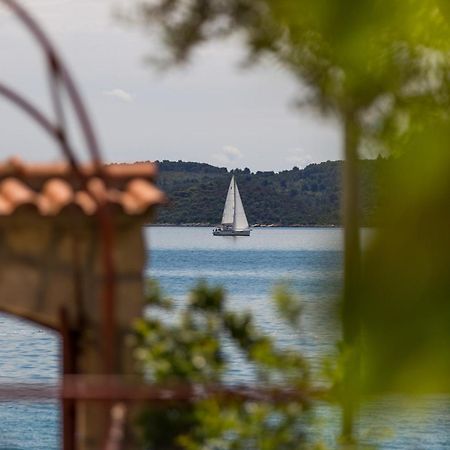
(61, 78)
(68, 406)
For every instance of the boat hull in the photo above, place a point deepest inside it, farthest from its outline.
(231, 233)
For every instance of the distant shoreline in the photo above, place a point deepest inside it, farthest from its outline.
(207, 225)
(309, 197)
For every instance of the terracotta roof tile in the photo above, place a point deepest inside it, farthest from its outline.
(16, 192)
(85, 202)
(143, 192)
(5, 207)
(51, 188)
(58, 193)
(129, 202)
(97, 188)
(37, 174)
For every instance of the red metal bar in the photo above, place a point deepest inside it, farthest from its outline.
(40, 118)
(108, 326)
(60, 78)
(29, 109)
(113, 389)
(60, 69)
(61, 74)
(68, 406)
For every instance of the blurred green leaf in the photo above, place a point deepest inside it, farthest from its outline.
(191, 350)
(154, 296)
(288, 305)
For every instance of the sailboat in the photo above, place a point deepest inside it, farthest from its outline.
(234, 220)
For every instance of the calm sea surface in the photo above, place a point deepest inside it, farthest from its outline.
(308, 259)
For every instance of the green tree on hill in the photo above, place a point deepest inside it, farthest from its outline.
(310, 196)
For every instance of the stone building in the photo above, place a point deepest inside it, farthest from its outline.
(53, 270)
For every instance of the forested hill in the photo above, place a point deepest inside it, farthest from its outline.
(309, 196)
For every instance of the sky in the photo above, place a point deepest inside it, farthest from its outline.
(213, 110)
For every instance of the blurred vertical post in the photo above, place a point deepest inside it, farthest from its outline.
(352, 262)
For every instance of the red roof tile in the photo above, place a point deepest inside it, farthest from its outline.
(51, 188)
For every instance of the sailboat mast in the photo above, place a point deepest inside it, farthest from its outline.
(234, 203)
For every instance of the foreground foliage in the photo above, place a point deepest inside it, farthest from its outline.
(383, 71)
(195, 348)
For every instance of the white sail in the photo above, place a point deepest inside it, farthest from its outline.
(234, 220)
(228, 212)
(240, 219)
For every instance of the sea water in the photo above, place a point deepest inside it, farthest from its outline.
(307, 260)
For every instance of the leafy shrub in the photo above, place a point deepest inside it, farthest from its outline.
(187, 349)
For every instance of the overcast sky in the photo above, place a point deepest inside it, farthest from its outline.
(211, 111)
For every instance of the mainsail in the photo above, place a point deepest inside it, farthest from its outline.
(228, 211)
(240, 219)
(233, 213)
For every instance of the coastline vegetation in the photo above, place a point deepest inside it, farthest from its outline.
(297, 197)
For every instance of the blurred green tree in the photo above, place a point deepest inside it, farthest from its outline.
(189, 349)
(382, 69)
